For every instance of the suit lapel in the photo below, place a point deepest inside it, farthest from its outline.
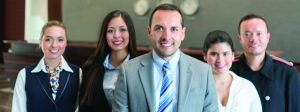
(43, 79)
(63, 83)
(185, 78)
(147, 80)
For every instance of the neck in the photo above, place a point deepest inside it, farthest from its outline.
(117, 57)
(52, 63)
(222, 79)
(255, 62)
(166, 57)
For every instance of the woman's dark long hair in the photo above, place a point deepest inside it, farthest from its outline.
(93, 69)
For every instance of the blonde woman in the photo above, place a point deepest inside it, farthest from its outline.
(52, 84)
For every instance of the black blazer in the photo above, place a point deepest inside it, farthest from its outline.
(99, 103)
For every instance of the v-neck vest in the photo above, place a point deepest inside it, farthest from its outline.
(38, 91)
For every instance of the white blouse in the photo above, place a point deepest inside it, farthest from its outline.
(243, 97)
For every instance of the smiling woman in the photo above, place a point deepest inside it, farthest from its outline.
(58, 79)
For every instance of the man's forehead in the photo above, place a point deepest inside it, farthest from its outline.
(166, 26)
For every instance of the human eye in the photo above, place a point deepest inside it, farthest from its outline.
(212, 53)
(259, 34)
(174, 29)
(47, 39)
(247, 34)
(123, 29)
(61, 39)
(110, 30)
(225, 53)
(158, 28)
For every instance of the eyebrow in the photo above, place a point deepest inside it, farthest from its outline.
(155, 26)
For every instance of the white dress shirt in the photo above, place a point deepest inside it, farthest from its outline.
(158, 75)
(19, 96)
(243, 96)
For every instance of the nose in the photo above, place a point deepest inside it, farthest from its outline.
(253, 38)
(117, 34)
(54, 43)
(166, 34)
(220, 58)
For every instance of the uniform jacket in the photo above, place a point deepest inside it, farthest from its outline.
(277, 83)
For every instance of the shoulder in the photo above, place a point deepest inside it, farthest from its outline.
(245, 83)
(30, 67)
(72, 66)
(236, 60)
(195, 63)
(139, 59)
(191, 59)
(281, 61)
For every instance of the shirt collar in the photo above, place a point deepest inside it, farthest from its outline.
(109, 66)
(42, 67)
(266, 69)
(173, 61)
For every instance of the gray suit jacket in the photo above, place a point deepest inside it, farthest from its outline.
(135, 89)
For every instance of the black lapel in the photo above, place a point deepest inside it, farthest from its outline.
(63, 83)
(43, 79)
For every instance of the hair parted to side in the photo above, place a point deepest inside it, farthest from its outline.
(252, 16)
(167, 7)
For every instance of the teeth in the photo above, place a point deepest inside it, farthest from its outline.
(118, 42)
(54, 51)
(166, 44)
(253, 45)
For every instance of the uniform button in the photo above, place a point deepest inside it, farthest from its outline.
(267, 98)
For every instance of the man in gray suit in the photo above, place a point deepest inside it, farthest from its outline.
(148, 84)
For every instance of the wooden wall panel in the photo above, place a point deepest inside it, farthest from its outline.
(14, 19)
(54, 10)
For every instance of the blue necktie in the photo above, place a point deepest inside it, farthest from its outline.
(166, 102)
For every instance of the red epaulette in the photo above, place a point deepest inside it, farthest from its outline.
(236, 59)
(274, 58)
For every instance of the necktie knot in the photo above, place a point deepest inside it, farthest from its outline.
(166, 68)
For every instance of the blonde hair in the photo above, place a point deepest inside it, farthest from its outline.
(50, 24)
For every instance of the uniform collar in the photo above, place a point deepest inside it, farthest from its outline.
(266, 70)
(109, 66)
(42, 67)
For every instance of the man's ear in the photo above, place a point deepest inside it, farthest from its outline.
(238, 37)
(183, 33)
(204, 57)
(148, 31)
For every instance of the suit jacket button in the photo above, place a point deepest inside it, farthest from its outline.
(267, 98)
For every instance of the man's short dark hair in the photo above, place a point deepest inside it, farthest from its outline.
(252, 16)
(169, 7)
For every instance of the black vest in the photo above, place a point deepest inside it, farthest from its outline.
(39, 93)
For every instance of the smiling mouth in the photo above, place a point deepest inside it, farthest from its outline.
(53, 51)
(117, 42)
(166, 44)
(220, 66)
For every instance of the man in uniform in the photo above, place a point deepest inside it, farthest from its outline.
(276, 80)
